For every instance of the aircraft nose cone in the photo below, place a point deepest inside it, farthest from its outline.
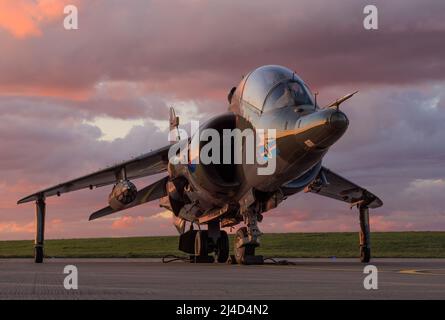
(338, 120)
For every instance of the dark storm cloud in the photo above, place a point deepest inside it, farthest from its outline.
(201, 48)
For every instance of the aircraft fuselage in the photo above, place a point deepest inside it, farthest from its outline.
(303, 135)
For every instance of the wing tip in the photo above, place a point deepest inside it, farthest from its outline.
(26, 199)
(93, 216)
(379, 202)
(31, 197)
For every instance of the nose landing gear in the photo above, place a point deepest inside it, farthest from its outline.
(247, 239)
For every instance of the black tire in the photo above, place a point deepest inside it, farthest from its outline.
(201, 243)
(222, 248)
(365, 254)
(38, 254)
(246, 250)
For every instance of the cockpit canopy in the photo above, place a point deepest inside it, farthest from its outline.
(272, 87)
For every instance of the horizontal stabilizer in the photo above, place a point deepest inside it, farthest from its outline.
(147, 194)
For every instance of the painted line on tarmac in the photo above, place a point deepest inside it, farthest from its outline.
(424, 272)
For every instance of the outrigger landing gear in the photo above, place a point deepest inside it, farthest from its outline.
(247, 239)
(40, 230)
(365, 241)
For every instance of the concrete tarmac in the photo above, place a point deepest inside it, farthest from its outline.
(152, 279)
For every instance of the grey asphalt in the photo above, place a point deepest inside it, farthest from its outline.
(151, 279)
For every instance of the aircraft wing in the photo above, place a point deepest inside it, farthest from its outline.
(332, 185)
(145, 165)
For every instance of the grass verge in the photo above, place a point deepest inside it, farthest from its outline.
(286, 245)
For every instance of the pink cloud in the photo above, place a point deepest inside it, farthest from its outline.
(150, 57)
(125, 222)
(13, 227)
(24, 18)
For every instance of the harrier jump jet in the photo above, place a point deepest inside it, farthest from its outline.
(224, 194)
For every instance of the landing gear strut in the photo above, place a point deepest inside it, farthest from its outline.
(200, 243)
(222, 248)
(365, 241)
(40, 231)
(201, 252)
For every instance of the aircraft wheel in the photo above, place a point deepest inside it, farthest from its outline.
(222, 247)
(365, 254)
(38, 255)
(246, 250)
(201, 243)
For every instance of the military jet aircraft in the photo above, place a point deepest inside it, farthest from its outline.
(222, 194)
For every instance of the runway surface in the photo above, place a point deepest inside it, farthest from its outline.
(151, 279)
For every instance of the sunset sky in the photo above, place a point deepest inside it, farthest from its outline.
(72, 102)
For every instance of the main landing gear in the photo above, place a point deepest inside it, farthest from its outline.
(200, 243)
